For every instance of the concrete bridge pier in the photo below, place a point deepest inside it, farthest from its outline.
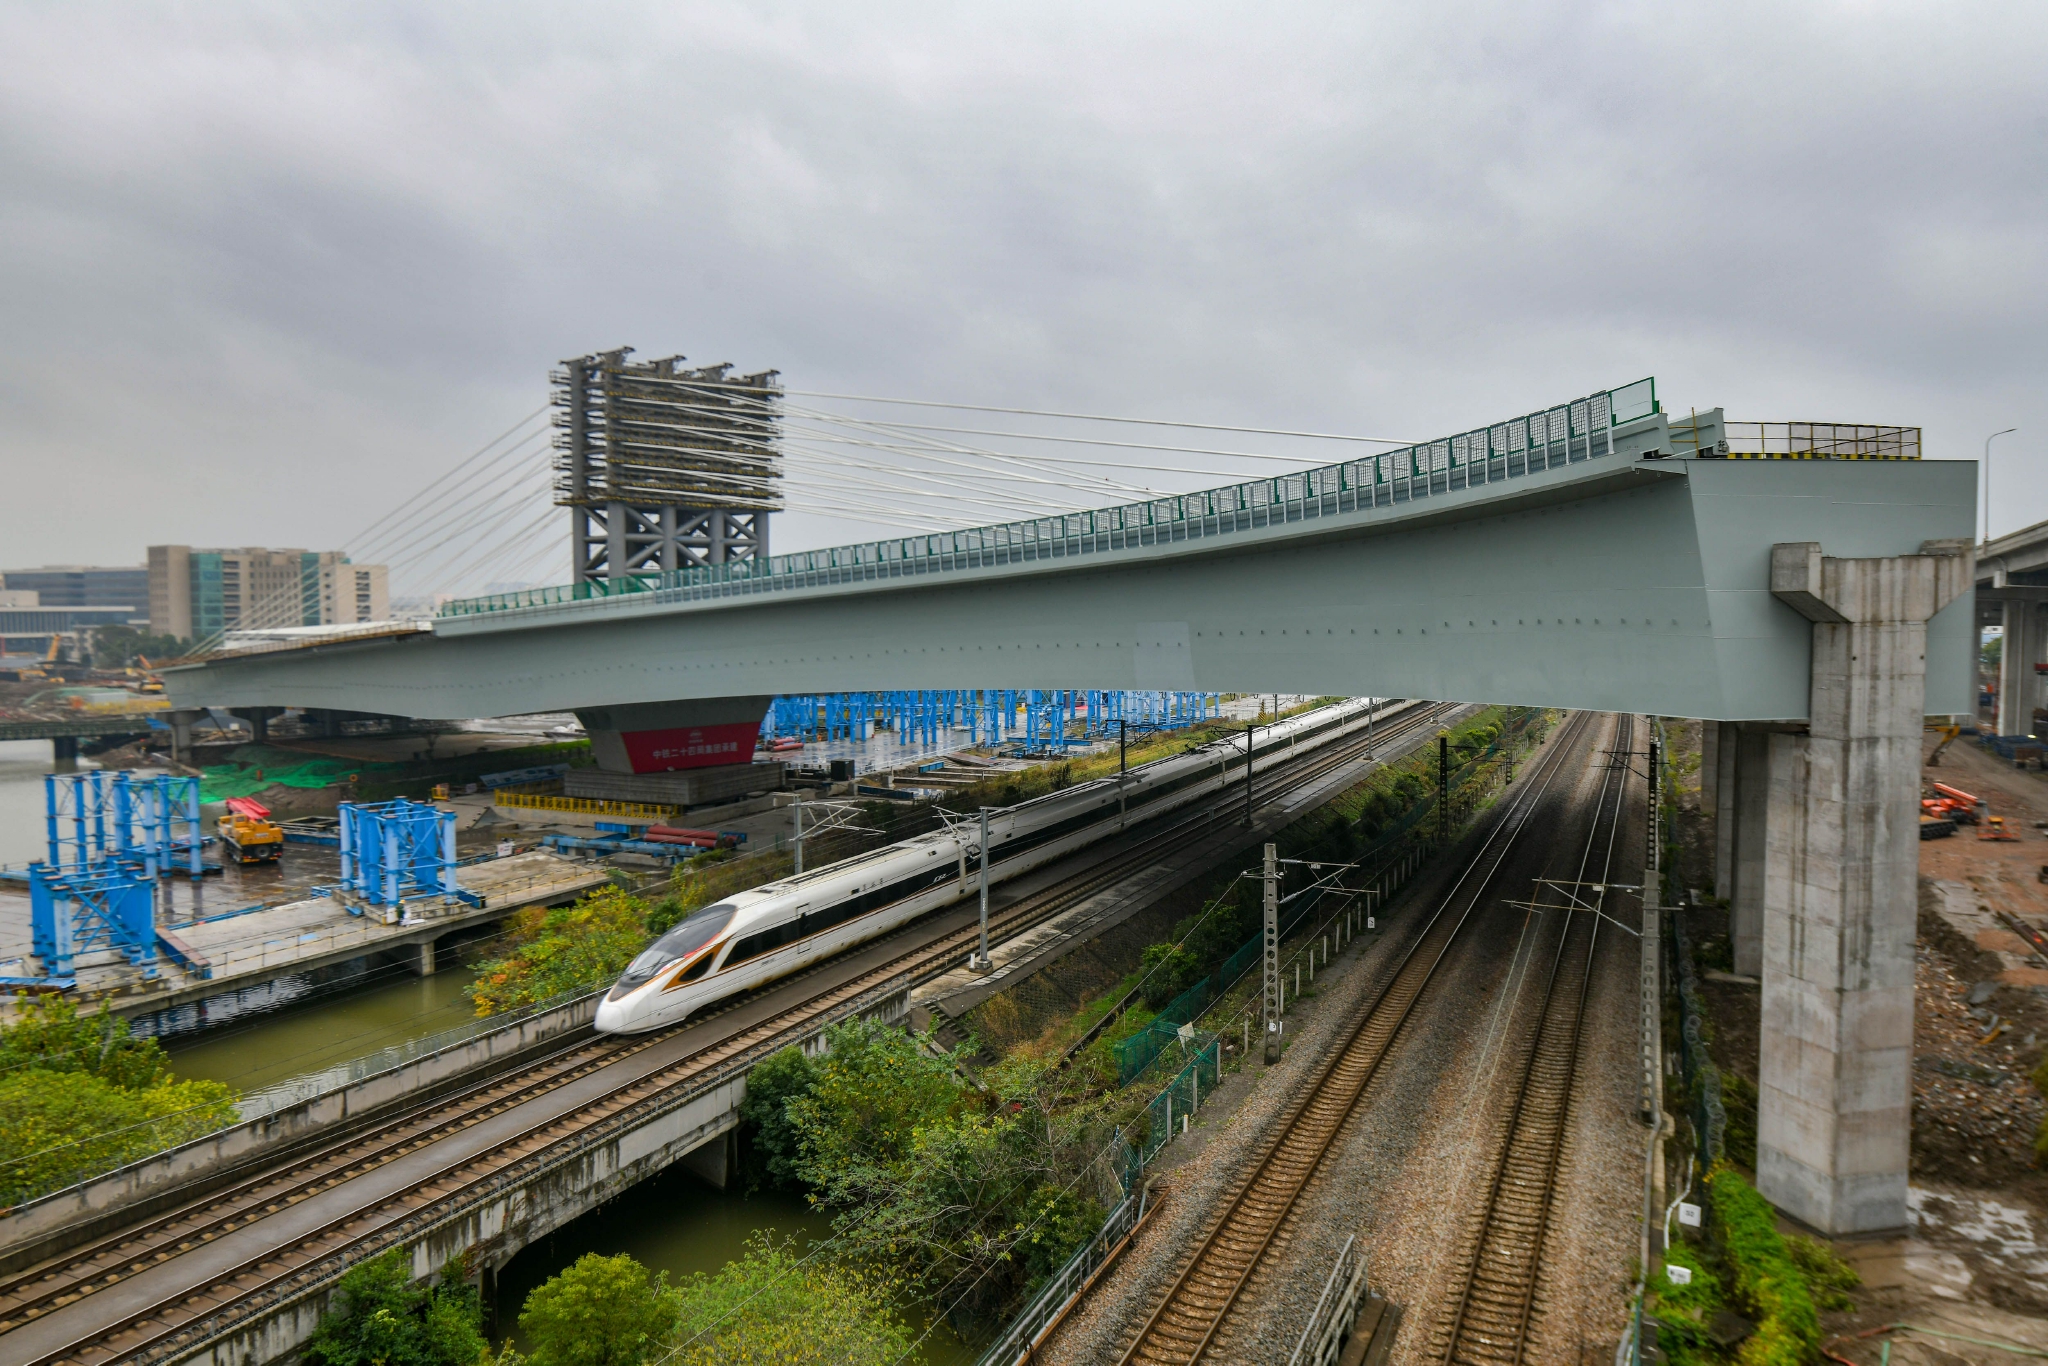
(1840, 868)
(2018, 610)
(419, 957)
(181, 723)
(64, 753)
(1747, 746)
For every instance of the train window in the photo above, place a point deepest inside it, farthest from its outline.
(759, 942)
(692, 972)
(681, 941)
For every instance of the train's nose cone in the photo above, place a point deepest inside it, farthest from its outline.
(611, 1016)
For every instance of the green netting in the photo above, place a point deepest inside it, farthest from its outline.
(1135, 1054)
(259, 766)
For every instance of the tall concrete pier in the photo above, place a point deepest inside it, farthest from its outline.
(1840, 868)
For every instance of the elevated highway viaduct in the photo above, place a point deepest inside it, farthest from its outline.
(1594, 556)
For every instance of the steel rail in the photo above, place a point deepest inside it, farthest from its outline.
(1503, 1253)
(1185, 1322)
(126, 1252)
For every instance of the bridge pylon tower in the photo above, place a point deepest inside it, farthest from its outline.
(664, 467)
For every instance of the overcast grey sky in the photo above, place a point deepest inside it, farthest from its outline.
(267, 268)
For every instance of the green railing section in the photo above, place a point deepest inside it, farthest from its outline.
(1181, 1097)
(1568, 433)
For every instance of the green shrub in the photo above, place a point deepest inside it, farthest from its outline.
(57, 1128)
(601, 1311)
(80, 1096)
(1766, 1278)
(564, 948)
(1828, 1277)
(49, 1035)
(2041, 1138)
(380, 1317)
(771, 1306)
(1685, 1312)
(773, 1143)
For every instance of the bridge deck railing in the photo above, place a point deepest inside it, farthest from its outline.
(1566, 434)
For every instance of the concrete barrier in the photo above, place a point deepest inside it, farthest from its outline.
(47, 1225)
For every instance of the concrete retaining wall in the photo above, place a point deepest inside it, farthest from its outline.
(44, 1227)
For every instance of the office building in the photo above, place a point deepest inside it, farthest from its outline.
(197, 592)
(79, 585)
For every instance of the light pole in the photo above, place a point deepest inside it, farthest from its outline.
(1987, 478)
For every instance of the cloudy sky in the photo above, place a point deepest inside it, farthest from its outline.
(269, 268)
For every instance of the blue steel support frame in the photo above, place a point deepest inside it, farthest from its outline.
(398, 849)
(111, 905)
(1053, 720)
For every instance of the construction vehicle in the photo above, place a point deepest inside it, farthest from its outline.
(1952, 803)
(247, 833)
(1994, 829)
(43, 670)
(1948, 731)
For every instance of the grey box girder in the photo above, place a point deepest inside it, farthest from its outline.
(1640, 585)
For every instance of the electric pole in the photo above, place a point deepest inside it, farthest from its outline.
(1123, 766)
(1443, 789)
(1248, 777)
(980, 961)
(799, 834)
(1271, 881)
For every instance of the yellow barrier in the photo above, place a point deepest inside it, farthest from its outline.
(581, 806)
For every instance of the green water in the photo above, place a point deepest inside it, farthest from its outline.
(269, 1046)
(676, 1223)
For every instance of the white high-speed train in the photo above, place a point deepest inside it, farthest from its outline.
(780, 927)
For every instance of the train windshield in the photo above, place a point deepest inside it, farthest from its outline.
(681, 941)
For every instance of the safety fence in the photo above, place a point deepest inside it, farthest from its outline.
(1702, 1078)
(526, 800)
(1174, 1107)
(1026, 1331)
(307, 1086)
(1567, 434)
(1336, 1309)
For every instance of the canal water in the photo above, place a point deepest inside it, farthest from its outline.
(22, 766)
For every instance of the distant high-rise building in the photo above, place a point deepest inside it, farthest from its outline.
(79, 585)
(198, 592)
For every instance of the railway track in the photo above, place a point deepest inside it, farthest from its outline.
(1183, 1326)
(1501, 1255)
(353, 1198)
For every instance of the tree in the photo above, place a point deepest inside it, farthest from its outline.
(60, 1127)
(876, 1086)
(602, 1311)
(381, 1317)
(49, 1035)
(773, 1144)
(116, 646)
(772, 1305)
(80, 1095)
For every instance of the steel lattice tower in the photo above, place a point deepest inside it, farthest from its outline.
(663, 467)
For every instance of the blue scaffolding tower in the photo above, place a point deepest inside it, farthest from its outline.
(90, 818)
(398, 849)
(109, 839)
